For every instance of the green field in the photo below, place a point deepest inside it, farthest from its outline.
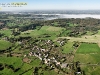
(91, 70)
(88, 53)
(85, 38)
(25, 68)
(6, 32)
(68, 47)
(98, 32)
(7, 71)
(4, 45)
(88, 48)
(16, 62)
(43, 32)
(87, 58)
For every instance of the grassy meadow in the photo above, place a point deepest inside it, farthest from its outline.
(68, 47)
(86, 48)
(4, 44)
(6, 32)
(44, 32)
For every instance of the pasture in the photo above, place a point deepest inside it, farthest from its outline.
(88, 52)
(4, 44)
(6, 32)
(50, 31)
(87, 58)
(86, 48)
(68, 47)
(85, 38)
(91, 70)
(16, 62)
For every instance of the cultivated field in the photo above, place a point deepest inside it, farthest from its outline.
(88, 55)
(4, 45)
(68, 47)
(44, 31)
(6, 32)
(85, 38)
(86, 48)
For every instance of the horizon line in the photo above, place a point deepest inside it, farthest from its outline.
(55, 10)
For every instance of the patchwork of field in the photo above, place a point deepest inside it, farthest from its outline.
(88, 55)
(86, 38)
(17, 67)
(88, 52)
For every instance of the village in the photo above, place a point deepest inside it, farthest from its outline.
(51, 47)
(49, 52)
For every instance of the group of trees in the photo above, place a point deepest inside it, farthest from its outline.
(76, 26)
(73, 27)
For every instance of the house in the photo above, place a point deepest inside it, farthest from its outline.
(78, 72)
(64, 65)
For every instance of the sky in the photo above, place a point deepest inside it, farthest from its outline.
(52, 5)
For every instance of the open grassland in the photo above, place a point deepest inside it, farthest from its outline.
(96, 71)
(68, 47)
(91, 70)
(4, 45)
(88, 55)
(72, 25)
(86, 38)
(51, 28)
(50, 31)
(44, 30)
(16, 62)
(7, 71)
(88, 48)
(6, 32)
(98, 32)
(88, 52)
(50, 72)
(24, 68)
(89, 63)
(87, 58)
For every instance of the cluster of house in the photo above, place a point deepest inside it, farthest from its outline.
(46, 51)
(45, 55)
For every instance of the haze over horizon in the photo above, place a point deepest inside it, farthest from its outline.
(53, 5)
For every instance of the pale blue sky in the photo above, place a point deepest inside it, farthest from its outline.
(54, 5)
